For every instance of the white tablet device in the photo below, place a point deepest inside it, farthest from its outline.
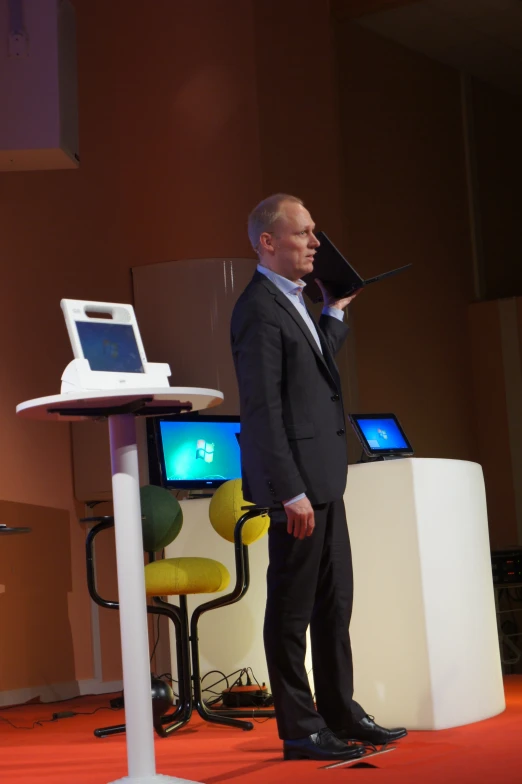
(106, 334)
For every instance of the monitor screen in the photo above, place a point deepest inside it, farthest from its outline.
(381, 434)
(110, 347)
(197, 451)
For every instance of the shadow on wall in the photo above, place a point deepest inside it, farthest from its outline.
(36, 647)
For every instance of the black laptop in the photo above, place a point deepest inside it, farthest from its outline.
(337, 274)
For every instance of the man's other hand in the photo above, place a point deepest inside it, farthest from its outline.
(301, 521)
(331, 302)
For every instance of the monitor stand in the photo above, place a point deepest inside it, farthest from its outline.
(379, 458)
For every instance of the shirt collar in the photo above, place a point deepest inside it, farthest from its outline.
(283, 284)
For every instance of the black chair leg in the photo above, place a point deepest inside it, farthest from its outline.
(104, 732)
(220, 716)
(211, 716)
(183, 713)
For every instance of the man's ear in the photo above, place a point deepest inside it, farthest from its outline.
(266, 243)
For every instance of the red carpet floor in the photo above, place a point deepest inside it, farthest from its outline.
(66, 752)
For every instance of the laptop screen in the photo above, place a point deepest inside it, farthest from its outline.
(381, 434)
(330, 266)
(110, 347)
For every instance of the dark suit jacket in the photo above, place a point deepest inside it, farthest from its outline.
(292, 419)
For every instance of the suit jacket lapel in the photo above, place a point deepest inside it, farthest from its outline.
(329, 357)
(283, 301)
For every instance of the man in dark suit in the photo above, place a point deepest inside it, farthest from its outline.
(294, 460)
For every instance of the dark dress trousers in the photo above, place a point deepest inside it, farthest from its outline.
(293, 441)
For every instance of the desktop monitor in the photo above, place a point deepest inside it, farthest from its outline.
(381, 435)
(193, 451)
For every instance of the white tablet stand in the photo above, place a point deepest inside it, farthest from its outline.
(79, 376)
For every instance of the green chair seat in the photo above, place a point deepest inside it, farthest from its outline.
(182, 576)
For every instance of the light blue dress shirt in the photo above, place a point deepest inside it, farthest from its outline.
(294, 293)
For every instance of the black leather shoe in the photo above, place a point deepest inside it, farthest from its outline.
(322, 745)
(367, 731)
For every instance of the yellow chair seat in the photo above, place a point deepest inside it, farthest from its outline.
(181, 576)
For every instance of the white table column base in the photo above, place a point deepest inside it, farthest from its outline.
(133, 610)
(131, 596)
(157, 778)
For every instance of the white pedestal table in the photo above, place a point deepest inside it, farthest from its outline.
(121, 408)
(424, 634)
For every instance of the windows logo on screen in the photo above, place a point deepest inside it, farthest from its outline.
(110, 349)
(204, 451)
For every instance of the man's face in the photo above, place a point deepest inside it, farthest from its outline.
(289, 249)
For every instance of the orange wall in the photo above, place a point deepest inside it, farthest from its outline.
(169, 167)
(189, 113)
(36, 579)
(300, 142)
(493, 418)
(406, 202)
(498, 131)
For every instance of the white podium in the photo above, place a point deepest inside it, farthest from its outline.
(121, 408)
(424, 632)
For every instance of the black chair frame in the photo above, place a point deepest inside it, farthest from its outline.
(187, 639)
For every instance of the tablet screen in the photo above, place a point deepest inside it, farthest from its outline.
(381, 434)
(110, 347)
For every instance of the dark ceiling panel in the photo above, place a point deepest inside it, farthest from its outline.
(353, 9)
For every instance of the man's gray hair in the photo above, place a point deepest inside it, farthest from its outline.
(264, 216)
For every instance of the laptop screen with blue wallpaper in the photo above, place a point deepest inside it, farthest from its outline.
(198, 451)
(381, 434)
